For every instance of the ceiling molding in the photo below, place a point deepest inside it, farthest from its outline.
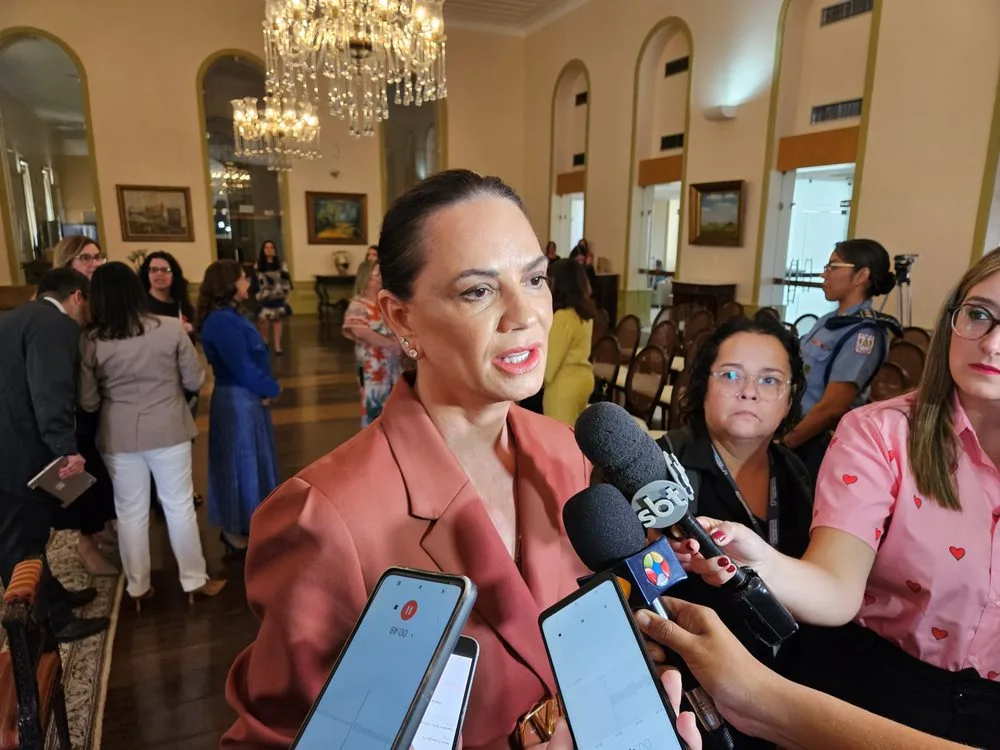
(530, 22)
(562, 9)
(486, 28)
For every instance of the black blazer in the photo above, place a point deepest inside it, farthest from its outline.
(39, 361)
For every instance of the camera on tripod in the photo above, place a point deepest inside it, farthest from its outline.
(902, 268)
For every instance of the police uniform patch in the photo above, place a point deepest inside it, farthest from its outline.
(865, 343)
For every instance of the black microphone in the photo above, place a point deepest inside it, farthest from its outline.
(660, 493)
(606, 535)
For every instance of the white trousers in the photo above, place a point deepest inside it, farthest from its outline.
(171, 467)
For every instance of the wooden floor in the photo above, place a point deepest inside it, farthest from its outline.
(169, 664)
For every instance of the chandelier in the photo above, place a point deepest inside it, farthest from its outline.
(285, 129)
(231, 178)
(361, 48)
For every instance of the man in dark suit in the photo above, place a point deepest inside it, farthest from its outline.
(39, 354)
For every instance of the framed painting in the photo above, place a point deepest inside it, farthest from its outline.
(337, 218)
(717, 214)
(150, 213)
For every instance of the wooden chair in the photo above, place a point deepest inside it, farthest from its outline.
(917, 336)
(889, 382)
(910, 359)
(31, 691)
(600, 326)
(700, 320)
(665, 313)
(691, 346)
(647, 375)
(804, 323)
(606, 358)
(769, 311)
(627, 332)
(665, 336)
(730, 310)
(680, 386)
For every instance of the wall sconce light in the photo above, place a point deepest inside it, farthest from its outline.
(720, 113)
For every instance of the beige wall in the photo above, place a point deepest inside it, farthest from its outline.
(146, 123)
(993, 226)
(832, 60)
(927, 138)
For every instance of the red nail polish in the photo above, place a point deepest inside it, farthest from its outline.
(723, 562)
(731, 569)
(718, 535)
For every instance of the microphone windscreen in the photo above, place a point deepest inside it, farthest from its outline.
(602, 527)
(614, 442)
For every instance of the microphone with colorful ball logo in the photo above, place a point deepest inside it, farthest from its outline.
(607, 536)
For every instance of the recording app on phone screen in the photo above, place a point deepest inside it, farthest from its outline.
(365, 703)
(611, 699)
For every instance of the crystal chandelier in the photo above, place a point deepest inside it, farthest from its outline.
(231, 178)
(361, 48)
(282, 131)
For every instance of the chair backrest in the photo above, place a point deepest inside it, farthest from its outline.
(692, 344)
(889, 382)
(769, 311)
(627, 332)
(606, 358)
(600, 325)
(680, 386)
(910, 359)
(665, 336)
(730, 310)
(666, 313)
(645, 380)
(917, 336)
(699, 321)
(804, 323)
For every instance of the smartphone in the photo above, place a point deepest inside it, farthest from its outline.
(441, 727)
(380, 686)
(612, 696)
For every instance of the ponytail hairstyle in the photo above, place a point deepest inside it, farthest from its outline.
(871, 255)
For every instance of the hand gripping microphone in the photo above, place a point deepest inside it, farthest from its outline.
(604, 532)
(658, 488)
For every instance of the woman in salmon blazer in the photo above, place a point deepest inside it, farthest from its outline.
(453, 477)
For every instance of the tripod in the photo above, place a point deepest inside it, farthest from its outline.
(904, 304)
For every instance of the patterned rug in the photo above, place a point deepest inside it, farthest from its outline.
(87, 663)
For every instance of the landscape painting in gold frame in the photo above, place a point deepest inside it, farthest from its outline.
(337, 218)
(717, 214)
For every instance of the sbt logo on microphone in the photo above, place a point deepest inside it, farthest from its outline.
(661, 504)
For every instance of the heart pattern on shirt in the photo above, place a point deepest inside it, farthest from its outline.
(939, 633)
(869, 600)
(914, 586)
(849, 479)
(957, 552)
(991, 675)
(917, 501)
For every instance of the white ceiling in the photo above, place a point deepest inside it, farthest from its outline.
(510, 15)
(42, 78)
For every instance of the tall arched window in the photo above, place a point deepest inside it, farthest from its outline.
(568, 176)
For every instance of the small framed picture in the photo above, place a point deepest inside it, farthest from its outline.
(717, 214)
(150, 213)
(337, 218)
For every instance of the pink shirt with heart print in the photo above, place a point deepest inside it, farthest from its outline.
(934, 589)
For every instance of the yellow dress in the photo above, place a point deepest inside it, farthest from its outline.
(569, 376)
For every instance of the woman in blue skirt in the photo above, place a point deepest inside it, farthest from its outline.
(242, 465)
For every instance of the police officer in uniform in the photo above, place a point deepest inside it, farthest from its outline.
(846, 348)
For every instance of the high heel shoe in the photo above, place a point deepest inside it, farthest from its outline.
(147, 594)
(231, 549)
(210, 588)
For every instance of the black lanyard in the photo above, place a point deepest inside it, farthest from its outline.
(772, 500)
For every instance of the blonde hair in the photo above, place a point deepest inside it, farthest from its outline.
(933, 445)
(68, 248)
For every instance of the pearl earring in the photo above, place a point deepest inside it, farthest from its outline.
(411, 351)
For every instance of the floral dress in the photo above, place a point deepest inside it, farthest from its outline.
(380, 367)
(272, 288)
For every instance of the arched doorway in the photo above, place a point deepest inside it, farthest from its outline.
(50, 189)
(568, 170)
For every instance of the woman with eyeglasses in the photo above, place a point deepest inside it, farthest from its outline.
(167, 289)
(905, 540)
(79, 253)
(746, 383)
(846, 348)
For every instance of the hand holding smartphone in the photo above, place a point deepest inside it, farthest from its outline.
(608, 684)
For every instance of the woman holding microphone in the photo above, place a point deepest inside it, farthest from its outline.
(904, 540)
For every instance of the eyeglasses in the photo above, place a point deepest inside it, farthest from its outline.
(733, 382)
(90, 258)
(831, 266)
(160, 269)
(972, 322)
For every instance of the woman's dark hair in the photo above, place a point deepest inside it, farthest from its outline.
(218, 288)
(178, 286)
(117, 303)
(268, 264)
(871, 255)
(400, 244)
(570, 288)
(693, 402)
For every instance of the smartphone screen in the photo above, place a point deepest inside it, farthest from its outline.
(610, 693)
(368, 697)
(442, 722)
